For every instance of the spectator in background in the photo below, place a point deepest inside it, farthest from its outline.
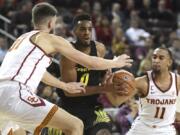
(3, 49)
(135, 34)
(172, 36)
(85, 6)
(146, 10)
(178, 24)
(136, 37)
(142, 52)
(96, 11)
(159, 19)
(116, 13)
(21, 20)
(176, 5)
(7, 7)
(130, 5)
(175, 49)
(118, 42)
(145, 64)
(104, 32)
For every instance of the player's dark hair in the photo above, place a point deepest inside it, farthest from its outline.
(168, 51)
(42, 11)
(81, 17)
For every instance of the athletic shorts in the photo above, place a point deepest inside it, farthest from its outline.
(140, 128)
(19, 106)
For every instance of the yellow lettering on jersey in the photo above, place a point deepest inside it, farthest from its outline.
(85, 78)
(82, 69)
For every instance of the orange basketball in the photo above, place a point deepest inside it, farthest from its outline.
(126, 79)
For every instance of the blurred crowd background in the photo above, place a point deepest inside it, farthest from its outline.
(134, 27)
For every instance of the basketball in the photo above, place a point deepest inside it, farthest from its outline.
(125, 79)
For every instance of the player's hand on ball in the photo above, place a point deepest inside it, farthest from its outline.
(115, 87)
(121, 89)
(124, 82)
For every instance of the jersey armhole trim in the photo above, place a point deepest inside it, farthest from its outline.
(147, 91)
(177, 91)
(30, 39)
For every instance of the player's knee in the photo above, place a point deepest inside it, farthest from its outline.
(100, 129)
(103, 132)
(78, 125)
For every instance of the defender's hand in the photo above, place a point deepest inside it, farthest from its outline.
(123, 60)
(74, 87)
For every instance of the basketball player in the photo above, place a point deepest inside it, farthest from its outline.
(24, 66)
(158, 91)
(85, 105)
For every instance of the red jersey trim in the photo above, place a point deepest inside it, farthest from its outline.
(34, 69)
(23, 62)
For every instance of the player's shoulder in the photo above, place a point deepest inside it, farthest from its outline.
(142, 82)
(142, 78)
(178, 81)
(99, 45)
(100, 48)
(41, 37)
(44, 36)
(64, 61)
(177, 75)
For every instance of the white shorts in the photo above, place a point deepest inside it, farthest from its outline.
(8, 127)
(18, 105)
(139, 128)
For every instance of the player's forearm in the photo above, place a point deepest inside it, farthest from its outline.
(91, 90)
(117, 100)
(91, 62)
(52, 81)
(101, 64)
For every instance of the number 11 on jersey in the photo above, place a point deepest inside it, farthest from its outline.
(160, 111)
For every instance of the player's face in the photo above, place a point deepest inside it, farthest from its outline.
(160, 60)
(83, 31)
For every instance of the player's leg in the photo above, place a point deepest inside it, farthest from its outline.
(66, 122)
(33, 113)
(103, 132)
(102, 123)
(99, 129)
(19, 131)
(10, 128)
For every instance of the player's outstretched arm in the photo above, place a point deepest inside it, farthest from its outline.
(116, 99)
(69, 74)
(72, 87)
(65, 48)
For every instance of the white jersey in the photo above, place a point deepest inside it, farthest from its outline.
(158, 107)
(25, 62)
